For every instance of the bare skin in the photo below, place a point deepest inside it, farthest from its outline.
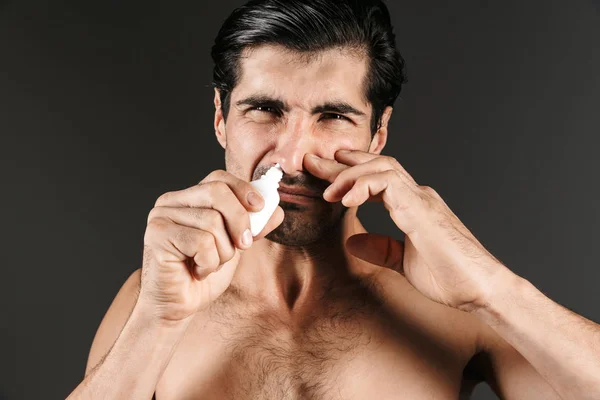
(338, 341)
(292, 315)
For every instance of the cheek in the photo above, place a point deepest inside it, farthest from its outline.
(246, 145)
(335, 134)
(248, 141)
(250, 138)
(329, 144)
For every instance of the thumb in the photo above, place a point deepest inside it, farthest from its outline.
(273, 222)
(377, 249)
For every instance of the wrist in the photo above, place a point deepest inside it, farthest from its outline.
(149, 314)
(501, 294)
(137, 359)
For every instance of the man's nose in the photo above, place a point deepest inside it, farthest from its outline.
(292, 144)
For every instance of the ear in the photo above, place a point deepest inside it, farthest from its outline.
(380, 137)
(219, 121)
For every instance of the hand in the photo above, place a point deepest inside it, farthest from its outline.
(439, 256)
(193, 242)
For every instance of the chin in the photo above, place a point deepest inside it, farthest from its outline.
(297, 230)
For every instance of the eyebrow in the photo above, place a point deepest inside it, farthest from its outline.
(339, 107)
(263, 101)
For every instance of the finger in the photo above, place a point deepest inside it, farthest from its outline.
(275, 220)
(347, 178)
(182, 242)
(323, 168)
(356, 157)
(366, 188)
(218, 195)
(205, 219)
(189, 197)
(400, 198)
(377, 249)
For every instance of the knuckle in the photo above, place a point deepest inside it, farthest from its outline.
(207, 255)
(428, 190)
(361, 180)
(156, 212)
(205, 241)
(199, 215)
(216, 174)
(391, 161)
(157, 227)
(163, 199)
(162, 257)
(213, 217)
(219, 172)
(181, 236)
(206, 263)
(209, 218)
(394, 179)
(217, 189)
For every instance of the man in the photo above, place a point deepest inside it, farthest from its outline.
(314, 307)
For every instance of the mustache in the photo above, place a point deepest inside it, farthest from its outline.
(302, 180)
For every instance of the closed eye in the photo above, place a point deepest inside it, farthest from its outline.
(335, 116)
(266, 109)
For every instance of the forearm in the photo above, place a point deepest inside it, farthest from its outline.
(135, 363)
(562, 346)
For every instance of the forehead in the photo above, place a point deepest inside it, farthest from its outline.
(303, 79)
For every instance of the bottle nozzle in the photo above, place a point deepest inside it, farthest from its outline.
(275, 173)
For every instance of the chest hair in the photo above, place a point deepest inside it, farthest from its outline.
(269, 359)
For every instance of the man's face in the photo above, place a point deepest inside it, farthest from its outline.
(286, 105)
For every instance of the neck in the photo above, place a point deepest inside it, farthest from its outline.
(291, 278)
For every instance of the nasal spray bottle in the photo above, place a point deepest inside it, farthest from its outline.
(267, 186)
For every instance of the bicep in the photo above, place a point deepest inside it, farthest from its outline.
(115, 318)
(508, 373)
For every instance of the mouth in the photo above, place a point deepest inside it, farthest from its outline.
(297, 195)
(298, 191)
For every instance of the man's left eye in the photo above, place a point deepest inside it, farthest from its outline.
(335, 116)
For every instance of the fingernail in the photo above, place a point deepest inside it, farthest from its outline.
(313, 156)
(247, 238)
(254, 199)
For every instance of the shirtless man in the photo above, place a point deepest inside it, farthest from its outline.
(314, 307)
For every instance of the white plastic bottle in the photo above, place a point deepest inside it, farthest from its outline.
(267, 186)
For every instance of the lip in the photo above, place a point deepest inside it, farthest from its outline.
(298, 192)
(296, 198)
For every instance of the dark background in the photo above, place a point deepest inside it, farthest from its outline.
(104, 105)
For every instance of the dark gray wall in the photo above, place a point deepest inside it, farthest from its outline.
(105, 105)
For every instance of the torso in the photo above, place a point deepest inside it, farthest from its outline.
(352, 345)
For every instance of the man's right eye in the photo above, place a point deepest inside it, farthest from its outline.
(264, 114)
(264, 109)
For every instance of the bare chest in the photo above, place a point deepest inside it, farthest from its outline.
(347, 350)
